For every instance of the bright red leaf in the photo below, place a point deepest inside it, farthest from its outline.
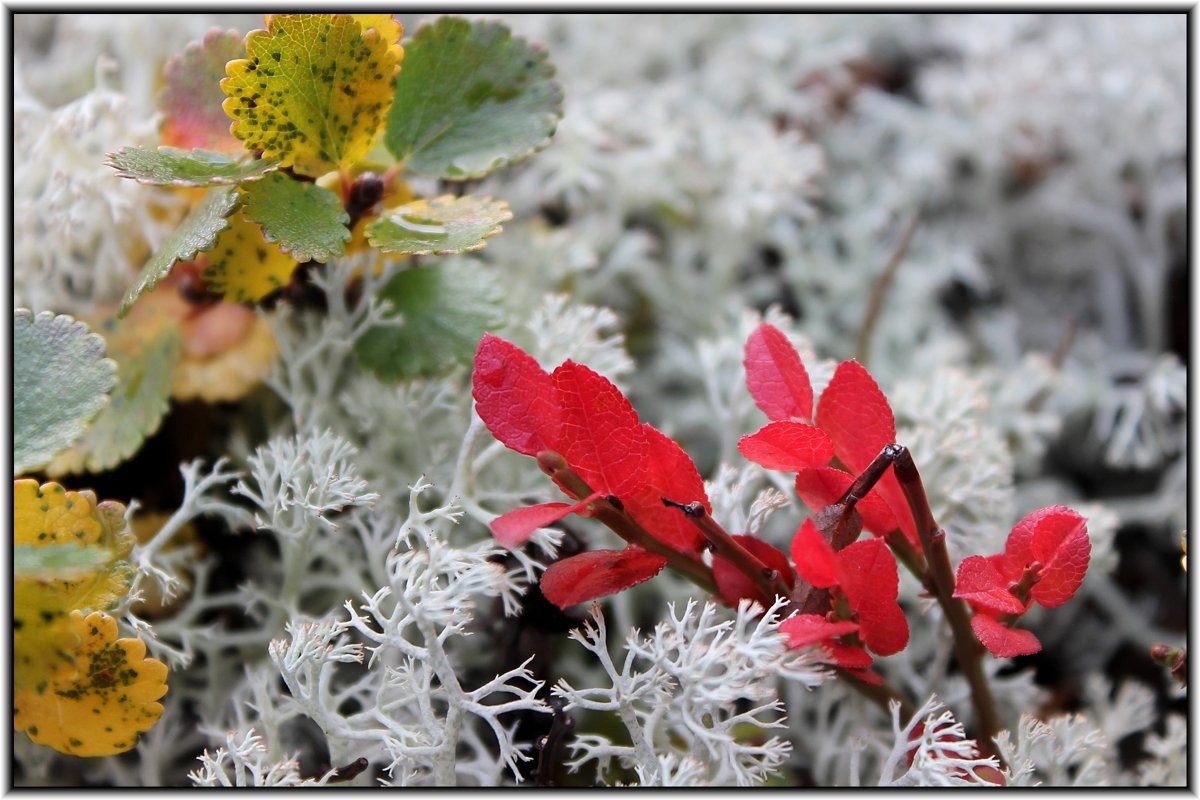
(813, 556)
(515, 397)
(1001, 641)
(670, 473)
(787, 446)
(733, 584)
(856, 416)
(803, 630)
(598, 573)
(982, 585)
(775, 375)
(867, 573)
(513, 529)
(819, 487)
(601, 437)
(1056, 537)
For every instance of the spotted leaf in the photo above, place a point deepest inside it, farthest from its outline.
(107, 703)
(313, 90)
(244, 266)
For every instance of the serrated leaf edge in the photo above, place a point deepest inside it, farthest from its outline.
(182, 182)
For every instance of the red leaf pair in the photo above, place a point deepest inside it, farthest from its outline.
(853, 422)
(865, 574)
(1046, 556)
(584, 418)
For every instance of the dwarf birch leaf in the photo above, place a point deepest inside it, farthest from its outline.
(191, 97)
(670, 473)
(443, 226)
(514, 397)
(598, 573)
(61, 380)
(1002, 641)
(312, 92)
(48, 518)
(472, 98)
(198, 232)
(306, 221)
(775, 375)
(859, 421)
(788, 446)
(169, 166)
(601, 437)
(819, 487)
(440, 313)
(106, 705)
(146, 346)
(244, 266)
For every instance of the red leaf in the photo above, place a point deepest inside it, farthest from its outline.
(788, 446)
(819, 487)
(1061, 543)
(850, 656)
(775, 375)
(813, 556)
(513, 529)
(805, 629)
(191, 97)
(598, 573)
(1003, 642)
(868, 576)
(981, 584)
(733, 584)
(859, 421)
(1057, 537)
(601, 436)
(670, 473)
(515, 397)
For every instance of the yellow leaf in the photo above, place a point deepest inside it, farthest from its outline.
(106, 705)
(244, 266)
(389, 28)
(46, 515)
(313, 92)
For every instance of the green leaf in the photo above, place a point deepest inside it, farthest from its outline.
(170, 166)
(443, 311)
(306, 220)
(471, 99)
(61, 380)
(197, 233)
(313, 91)
(147, 346)
(191, 97)
(58, 561)
(443, 226)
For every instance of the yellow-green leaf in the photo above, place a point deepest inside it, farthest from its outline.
(105, 705)
(244, 266)
(197, 233)
(442, 226)
(313, 90)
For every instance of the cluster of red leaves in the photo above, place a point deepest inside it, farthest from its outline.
(853, 422)
(581, 416)
(577, 417)
(1044, 561)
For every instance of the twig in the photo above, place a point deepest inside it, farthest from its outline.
(768, 580)
(879, 289)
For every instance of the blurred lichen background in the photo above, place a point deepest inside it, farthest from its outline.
(987, 210)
